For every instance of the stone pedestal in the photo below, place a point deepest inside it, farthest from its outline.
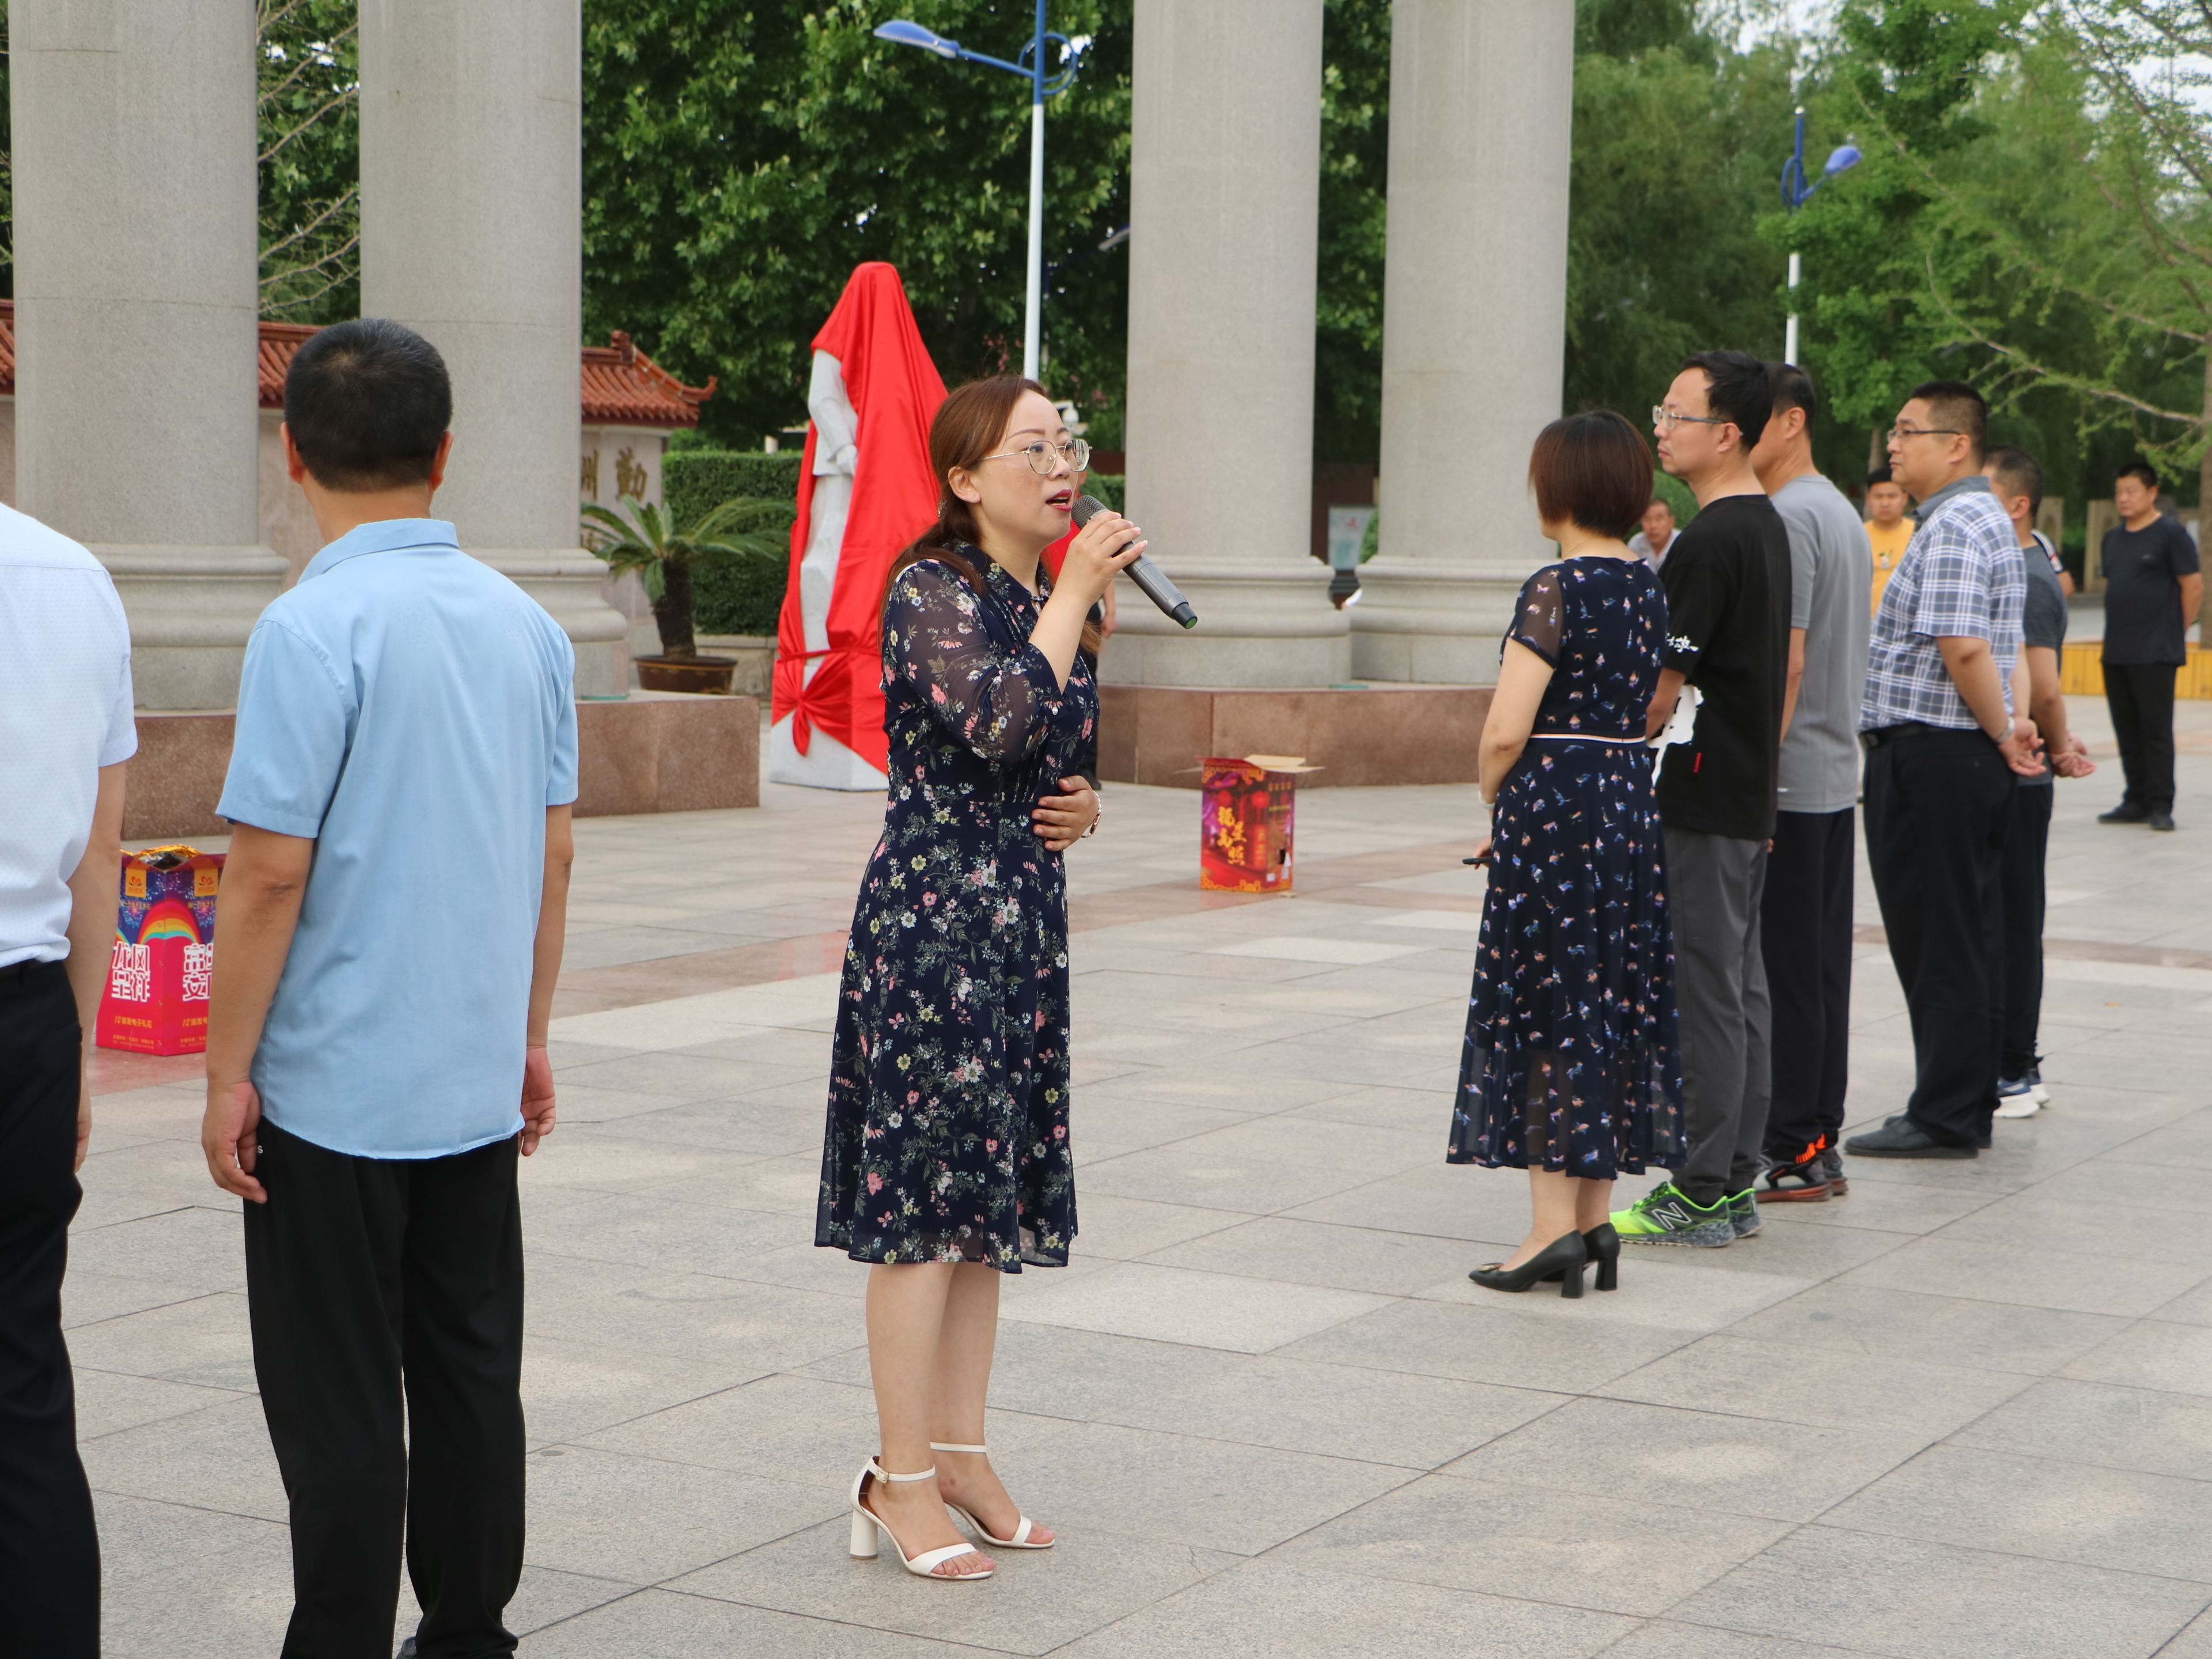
(1474, 318)
(470, 213)
(135, 286)
(1224, 190)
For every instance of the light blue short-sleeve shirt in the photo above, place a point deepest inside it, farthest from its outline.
(409, 709)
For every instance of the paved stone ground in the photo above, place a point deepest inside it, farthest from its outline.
(1966, 1411)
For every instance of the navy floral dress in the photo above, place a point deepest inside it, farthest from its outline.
(947, 1138)
(1570, 1062)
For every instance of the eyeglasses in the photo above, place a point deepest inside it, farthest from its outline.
(1667, 419)
(1041, 456)
(1897, 434)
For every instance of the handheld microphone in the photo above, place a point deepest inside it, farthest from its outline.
(1146, 574)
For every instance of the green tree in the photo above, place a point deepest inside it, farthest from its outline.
(1355, 167)
(309, 106)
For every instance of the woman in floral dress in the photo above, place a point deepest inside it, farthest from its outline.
(1571, 1070)
(946, 1161)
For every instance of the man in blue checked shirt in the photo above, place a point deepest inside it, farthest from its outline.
(391, 926)
(1945, 751)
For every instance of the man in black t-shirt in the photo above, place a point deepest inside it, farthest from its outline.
(1728, 649)
(2151, 593)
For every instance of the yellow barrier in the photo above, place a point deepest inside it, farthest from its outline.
(2082, 671)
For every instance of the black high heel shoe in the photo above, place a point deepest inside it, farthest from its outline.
(1563, 1259)
(1604, 1246)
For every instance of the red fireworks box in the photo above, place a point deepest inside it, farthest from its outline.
(156, 999)
(1247, 815)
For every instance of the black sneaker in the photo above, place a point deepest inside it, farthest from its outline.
(1902, 1137)
(1743, 1212)
(2126, 812)
(2160, 819)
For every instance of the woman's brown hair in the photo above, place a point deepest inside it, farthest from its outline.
(1593, 470)
(968, 428)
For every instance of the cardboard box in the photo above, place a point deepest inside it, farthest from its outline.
(1247, 816)
(156, 999)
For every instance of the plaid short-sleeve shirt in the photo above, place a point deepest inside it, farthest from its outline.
(1961, 578)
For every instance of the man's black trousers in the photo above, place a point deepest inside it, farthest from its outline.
(1937, 806)
(365, 1280)
(2026, 841)
(49, 1551)
(1806, 929)
(2140, 697)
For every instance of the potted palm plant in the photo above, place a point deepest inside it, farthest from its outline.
(648, 538)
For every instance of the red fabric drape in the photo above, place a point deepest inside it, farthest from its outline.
(894, 391)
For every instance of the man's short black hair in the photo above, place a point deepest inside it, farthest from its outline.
(368, 403)
(1791, 388)
(2016, 473)
(1738, 393)
(1879, 475)
(2139, 468)
(1954, 406)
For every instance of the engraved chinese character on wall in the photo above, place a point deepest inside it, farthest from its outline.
(630, 476)
(592, 475)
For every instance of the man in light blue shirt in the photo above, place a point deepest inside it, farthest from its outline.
(390, 924)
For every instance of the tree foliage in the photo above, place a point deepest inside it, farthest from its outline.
(308, 106)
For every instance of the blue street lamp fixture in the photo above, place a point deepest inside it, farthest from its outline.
(1795, 192)
(906, 34)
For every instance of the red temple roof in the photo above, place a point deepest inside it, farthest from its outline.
(621, 385)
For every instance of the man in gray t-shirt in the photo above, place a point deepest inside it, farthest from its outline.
(1806, 910)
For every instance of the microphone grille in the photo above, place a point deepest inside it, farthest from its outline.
(1086, 509)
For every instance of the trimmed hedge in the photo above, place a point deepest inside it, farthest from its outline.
(742, 596)
(747, 596)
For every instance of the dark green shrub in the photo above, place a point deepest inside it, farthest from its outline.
(738, 596)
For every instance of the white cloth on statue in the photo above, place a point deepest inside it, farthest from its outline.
(827, 764)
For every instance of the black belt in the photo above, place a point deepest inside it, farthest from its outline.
(29, 975)
(1882, 734)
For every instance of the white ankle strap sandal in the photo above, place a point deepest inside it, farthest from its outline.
(868, 1527)
(1020, 1540)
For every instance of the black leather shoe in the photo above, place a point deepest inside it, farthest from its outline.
(1902, 1137)
(2126, 812)
(407, 1648)
(1566, 1256)
(2160, 820)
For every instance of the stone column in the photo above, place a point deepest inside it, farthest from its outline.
(1474, 321)
(471, 190)
(137, 255)
(1224, 190)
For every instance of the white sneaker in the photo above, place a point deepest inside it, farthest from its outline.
(2016, 1098)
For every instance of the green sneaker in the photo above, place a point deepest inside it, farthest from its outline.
(1665, 1215)
(1743, 1212)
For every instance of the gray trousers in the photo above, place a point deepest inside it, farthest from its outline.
(1714, 885)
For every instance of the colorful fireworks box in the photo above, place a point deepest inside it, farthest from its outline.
(1247, 816)
(156, 999)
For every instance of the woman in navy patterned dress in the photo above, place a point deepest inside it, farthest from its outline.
(1570, 1069)
(945, 1161)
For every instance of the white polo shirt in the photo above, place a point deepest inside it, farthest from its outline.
(64, 713)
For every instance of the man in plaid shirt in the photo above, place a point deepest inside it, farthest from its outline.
(1943, 752)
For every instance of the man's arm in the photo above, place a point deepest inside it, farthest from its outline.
(1796, 679)
(2067, 754)
(1973, 669)
(2192, 597)
(257, 912)
(546, 970)
(92, 930)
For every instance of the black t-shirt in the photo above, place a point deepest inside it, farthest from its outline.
(2143, 570)
(1727, 632)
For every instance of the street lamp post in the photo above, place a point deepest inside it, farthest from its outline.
(913, 35)
(1795, 192)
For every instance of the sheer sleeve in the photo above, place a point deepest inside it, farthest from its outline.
(1001, 704)
(1539, 618)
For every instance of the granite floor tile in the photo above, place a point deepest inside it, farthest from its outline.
(1124, 1228)
(1415, 1111)
(791, 1185)
(142, 1536)
(650, 1231)
(2019, 1272)
(187, 1244)
(1174, 1174)
(1445, 1200)
(108, 1402)
(184, 1610)
(2139, 1429)
(2035, 1506)
(1175, 1304)
(1849, 1320)
(639, 1520)
(1486, 1344)
(1315, 1253)
(599, 1157)
(657, 1624)
(1758, 1379)
(1282, 1610)
(1666, 1638)
(2152, 1354)
(1609, 1451)
(1684, 1291)
(2192, 1307)
(571, 1390)
(2195, 1640)
(746, 1328)
(1037, 1600)
(2130, 1232)
(773, 1122)
(90, 1297)
(1516, 1539)
(203, 1341)
(1918, 1600)
(218, 1458)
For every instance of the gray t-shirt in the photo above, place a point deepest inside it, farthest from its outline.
(2043, 622)
(1831, 572)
